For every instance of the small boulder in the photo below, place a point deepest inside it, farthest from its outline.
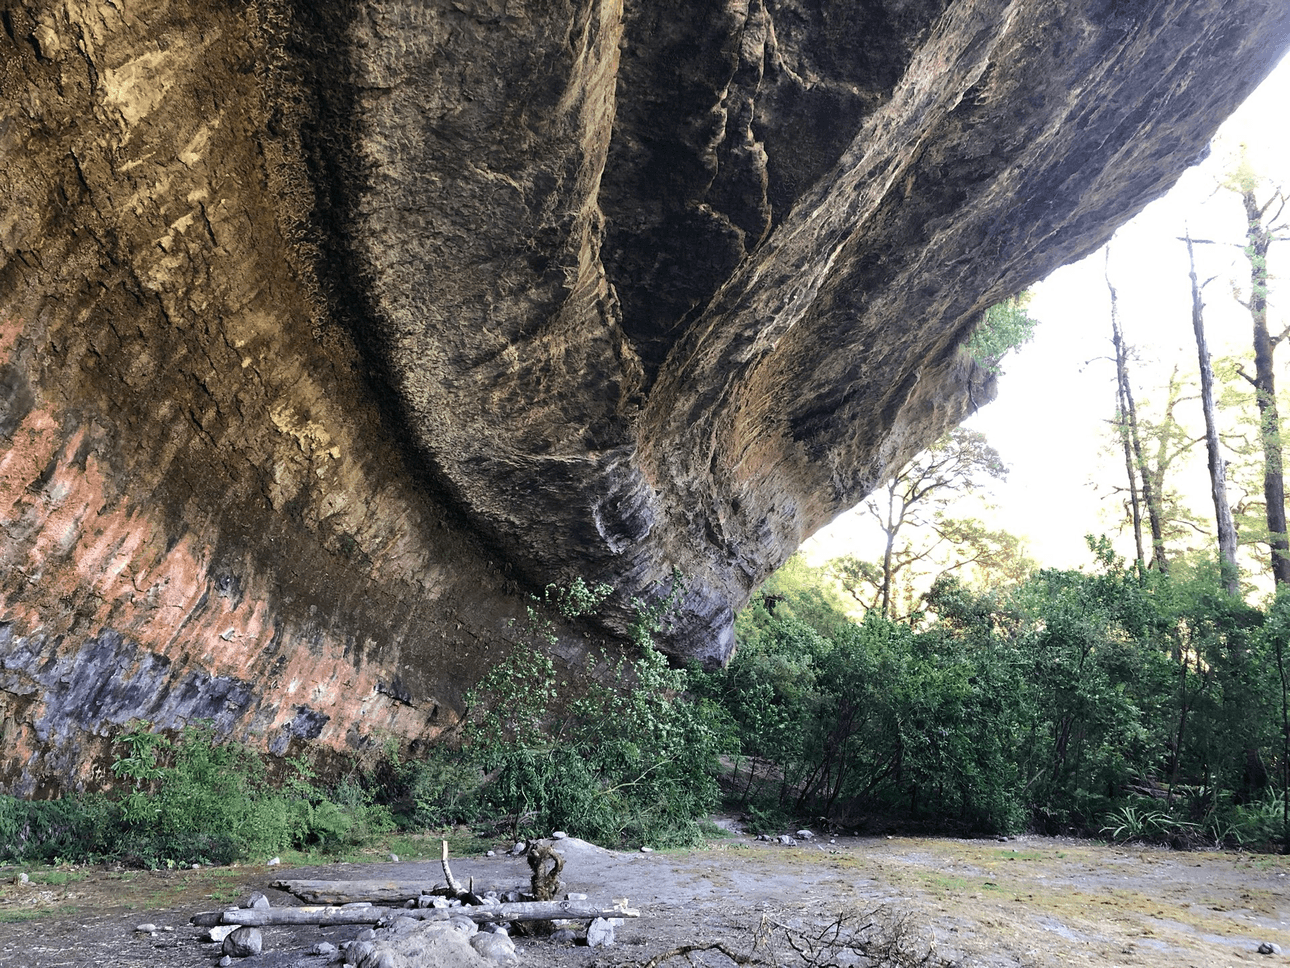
(559, 835)
(275, 861)
(805, 835)
(243, 942)
(324, 948)
(786, 840)
(495, 947)
(600, 934)
(395, 858)
(1268, 948)
(146, 928)
(221, 931)
(256, 902)
(564, 936)
(518, 848)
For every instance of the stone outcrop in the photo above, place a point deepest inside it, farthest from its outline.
(329, 329)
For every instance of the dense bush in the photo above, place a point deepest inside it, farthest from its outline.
(622, 753)
(1106, 701)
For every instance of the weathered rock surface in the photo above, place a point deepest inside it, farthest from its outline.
(327, 329)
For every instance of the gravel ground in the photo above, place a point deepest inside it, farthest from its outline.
(1029, 901)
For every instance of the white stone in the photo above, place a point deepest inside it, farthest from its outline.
(600, 934)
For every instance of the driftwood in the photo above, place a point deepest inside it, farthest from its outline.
(374, 891)
(371, 914)
(345, 892)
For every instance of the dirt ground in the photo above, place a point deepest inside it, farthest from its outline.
(1030, 901)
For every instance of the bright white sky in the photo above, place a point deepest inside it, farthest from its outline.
(1050, 420)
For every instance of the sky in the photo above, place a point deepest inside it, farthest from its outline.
(1050, 421)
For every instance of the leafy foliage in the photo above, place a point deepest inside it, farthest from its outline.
(626, 754)
(1006, 326)
(1073, 701)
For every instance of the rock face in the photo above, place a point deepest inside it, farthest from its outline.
(328, 329)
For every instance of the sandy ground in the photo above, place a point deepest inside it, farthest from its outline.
(1029, 901)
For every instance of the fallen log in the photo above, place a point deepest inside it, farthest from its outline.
(371, 914)
(343, 892)
(376, 892)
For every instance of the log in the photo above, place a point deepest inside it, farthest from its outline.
(342, 892)
(371, 914)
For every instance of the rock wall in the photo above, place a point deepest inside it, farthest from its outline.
(329, 329)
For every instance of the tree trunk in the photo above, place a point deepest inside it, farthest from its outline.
(1122, 409)
(1150, 497)
(1217, 466)
(1258, 236)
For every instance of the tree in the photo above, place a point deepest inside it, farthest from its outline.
(915, 499)
(1217, 467)
(1261, 230)
(1135, 466)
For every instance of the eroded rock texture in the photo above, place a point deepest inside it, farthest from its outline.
(327, 329)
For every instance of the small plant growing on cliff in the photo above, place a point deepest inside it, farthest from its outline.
(1006, 326)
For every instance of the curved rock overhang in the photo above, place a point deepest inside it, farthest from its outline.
(328, 328)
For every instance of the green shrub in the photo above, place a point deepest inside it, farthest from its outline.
(625, 754)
